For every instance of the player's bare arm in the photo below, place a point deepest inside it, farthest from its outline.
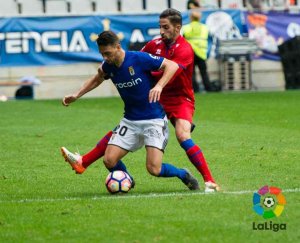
(89, 85)
(169, 68)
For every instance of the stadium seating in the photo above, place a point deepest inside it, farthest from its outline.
(210, 4)
(64, 7)
(54, 7)
(179, 5)
(9, 8)
(156, 5)
(31, 7)
(128, 6)
(104, 6)
(81, 7)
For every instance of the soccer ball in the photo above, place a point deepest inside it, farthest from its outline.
(269, 202)
(117, 182)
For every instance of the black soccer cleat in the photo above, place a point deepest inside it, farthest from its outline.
(190, 181)
(132, 182)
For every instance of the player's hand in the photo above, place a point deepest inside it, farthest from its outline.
(154, 94)
(68, 99)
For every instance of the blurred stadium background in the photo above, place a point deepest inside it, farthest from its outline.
(36, 38)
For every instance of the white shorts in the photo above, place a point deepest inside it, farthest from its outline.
(132, 135)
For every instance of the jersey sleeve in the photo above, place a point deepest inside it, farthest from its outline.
(150, 62)
(104, 68)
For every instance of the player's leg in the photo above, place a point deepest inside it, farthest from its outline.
(97, 152)
(112, 156)
(193, 151)
(181, 117)
(126, 137)
(80, 162)
(156, 134)
(156, 168)
(182, 131)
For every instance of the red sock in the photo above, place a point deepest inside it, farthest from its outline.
(97, 152)
(196, 157)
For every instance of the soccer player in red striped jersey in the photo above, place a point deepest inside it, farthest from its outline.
(177, 97)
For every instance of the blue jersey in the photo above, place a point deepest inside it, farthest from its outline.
(133, 80)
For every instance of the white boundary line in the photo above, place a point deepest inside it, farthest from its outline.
(135, 196)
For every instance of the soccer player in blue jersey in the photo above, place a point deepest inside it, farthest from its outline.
(144, 121)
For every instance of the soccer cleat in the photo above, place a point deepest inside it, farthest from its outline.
(75, 160)
(190, 181)
(132, 182)
(211, 187)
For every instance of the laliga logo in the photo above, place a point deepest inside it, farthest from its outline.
(268, 202)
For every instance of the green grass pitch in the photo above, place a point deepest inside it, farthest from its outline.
(249, 140)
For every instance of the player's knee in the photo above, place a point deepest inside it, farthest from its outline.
(182, 135)
(153, 169)
(182, 130)
(109, 161)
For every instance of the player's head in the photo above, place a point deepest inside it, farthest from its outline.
(170, 23)
(109, 46)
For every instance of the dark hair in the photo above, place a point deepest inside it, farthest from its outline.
(107, 38)
(173, 15)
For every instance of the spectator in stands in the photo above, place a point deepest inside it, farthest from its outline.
(192, 4)
(196, 34)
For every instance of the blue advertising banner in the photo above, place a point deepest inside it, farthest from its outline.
(48, 40)
(65, 40)
(270, 30)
